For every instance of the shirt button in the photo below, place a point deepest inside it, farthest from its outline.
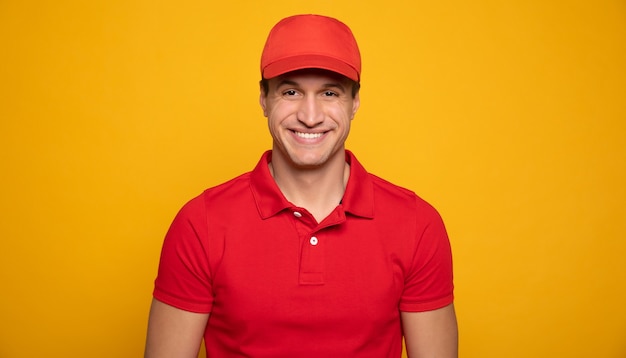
(313, 241)
(297, 214)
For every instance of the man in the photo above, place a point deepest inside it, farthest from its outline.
(308, 255)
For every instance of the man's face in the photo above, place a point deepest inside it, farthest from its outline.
(309, 114)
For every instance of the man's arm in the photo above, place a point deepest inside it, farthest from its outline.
(173, 332)
(431, 333)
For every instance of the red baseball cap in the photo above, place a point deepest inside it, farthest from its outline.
(311, 41)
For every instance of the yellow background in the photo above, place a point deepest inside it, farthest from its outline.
(508, 116)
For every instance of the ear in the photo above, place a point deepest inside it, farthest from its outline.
(356, 103)
(263, 102)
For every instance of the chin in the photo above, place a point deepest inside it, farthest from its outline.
(314, 161)
(301, 164)
(308, 161)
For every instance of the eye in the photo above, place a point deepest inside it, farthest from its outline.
(330, 94)
(289, 93)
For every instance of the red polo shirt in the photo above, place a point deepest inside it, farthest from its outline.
(278, 284)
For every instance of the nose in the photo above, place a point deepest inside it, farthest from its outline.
(310, 111)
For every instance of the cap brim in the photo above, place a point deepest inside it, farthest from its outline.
(301, 62)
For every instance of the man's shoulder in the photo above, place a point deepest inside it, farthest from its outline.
(228, 190)
(391, 188)
(397, 196)
(227, 193)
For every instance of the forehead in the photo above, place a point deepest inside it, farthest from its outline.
(309, 74)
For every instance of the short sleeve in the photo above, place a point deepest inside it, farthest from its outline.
(429, 280)
(184, 279)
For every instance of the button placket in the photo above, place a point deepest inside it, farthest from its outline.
(312, 264)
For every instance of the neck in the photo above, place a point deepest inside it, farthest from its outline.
(318, 189)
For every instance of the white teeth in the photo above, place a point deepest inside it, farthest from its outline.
(308, 135)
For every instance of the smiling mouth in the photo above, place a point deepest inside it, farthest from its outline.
(309, 135)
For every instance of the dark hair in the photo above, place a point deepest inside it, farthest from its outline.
(356, 86)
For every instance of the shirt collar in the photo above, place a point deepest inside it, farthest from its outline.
(357, 199)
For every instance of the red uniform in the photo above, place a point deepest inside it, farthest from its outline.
(278, 284)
